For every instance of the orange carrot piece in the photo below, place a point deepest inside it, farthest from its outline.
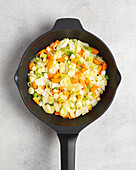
(55, 43)
(83, 65)
(57, 75)
(56, 113)
(31, 64)
(96, 61)
(81, 52)
(50, 75)
(78, 73)
(49, 49)
(49, 64)
(104, 66)
(61, 88)
(99, 69)
(50, 57)
(74, 61)
(55, 80)
(66, 116)
(90, 108)
(94, 50)
(34, 85)
(83, 70)
(58, 102)
(36, 100)
(43, 87)
(42, 51)
(61, 59)
(70, 117)
(94, 87)
(86, 81)
(79, 96)
(74, 81)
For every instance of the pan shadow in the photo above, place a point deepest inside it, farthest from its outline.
(48, 135)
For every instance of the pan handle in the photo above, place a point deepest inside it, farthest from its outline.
(67, 23)
(67, 143)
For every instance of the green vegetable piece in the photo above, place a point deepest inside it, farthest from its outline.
(79, 67)
(61, 100)
(106, 77)
(63, 76)
(70, 53)
(35, 95)
(56, 88)
(89, 49)
(84, 98)
(88, 87)
(69, 59)
(79, 62)
(38, 75)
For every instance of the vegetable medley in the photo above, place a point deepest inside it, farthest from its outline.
(67, 78)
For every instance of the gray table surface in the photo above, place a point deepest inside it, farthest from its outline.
(107, 144)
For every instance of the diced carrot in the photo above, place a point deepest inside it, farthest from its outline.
(50, 57)
(43, 87)
(51, 75)
(49, 49)
(49, 64)
(58, 102)
(94, 50)
(94, 87)
(79, 96)
(70, 117)
(36, 100)
(81, 52)
(83, 65)
(55, 43)
(90, 108)
(104, 66)
(96, 61)
(78, 73)
(34, 85)
(61, 59)
(31, 64)
(77, 65)
(42, 51)
(74, 61)
(61, 88)
(83, 70)
(56, 75)
(99, 69)
(55, 80)
(66, 116)
(56, 113)
(74, 81)
(86, 81)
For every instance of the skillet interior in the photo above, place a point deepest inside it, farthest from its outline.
(106, 98)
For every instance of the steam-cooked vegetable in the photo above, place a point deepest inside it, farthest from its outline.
(67, 78)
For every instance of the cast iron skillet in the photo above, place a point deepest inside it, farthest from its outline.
(67, 130)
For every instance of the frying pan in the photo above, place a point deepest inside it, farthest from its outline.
(68, 130)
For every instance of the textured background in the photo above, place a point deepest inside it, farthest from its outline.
(107, 144)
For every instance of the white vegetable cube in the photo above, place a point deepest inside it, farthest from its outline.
(57, 106)
(31, 90)
(63, 112)
(79, 104)
(48, 108)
